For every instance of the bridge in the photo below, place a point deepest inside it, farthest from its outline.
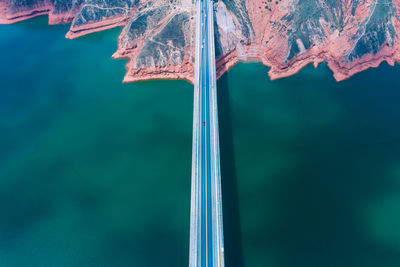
(206, 231)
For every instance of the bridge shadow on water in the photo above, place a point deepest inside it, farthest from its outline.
(231, 213)
(333, 200)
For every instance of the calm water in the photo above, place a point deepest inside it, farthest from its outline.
(97, 173)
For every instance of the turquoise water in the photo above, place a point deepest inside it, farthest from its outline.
(94, 172)
(311, 168)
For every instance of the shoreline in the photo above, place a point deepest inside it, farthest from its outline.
(22, 15)
(341, 69)
(102, 25)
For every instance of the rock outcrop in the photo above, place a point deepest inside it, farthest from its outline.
(158, 36)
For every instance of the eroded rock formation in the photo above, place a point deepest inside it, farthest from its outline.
(158, 36)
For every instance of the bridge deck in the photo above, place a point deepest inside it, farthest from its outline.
(206, 234)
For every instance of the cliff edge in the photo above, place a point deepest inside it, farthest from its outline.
(158, 36)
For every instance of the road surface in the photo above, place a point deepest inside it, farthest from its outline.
(206, 240)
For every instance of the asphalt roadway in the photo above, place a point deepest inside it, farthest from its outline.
(206, 214)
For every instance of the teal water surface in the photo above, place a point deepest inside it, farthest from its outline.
(311, 168)
(94, 172)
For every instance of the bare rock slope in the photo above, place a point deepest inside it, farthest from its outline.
(158, 36)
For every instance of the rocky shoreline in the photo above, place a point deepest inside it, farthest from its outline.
(267, 35)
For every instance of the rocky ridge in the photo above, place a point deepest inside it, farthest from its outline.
(158, 36)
